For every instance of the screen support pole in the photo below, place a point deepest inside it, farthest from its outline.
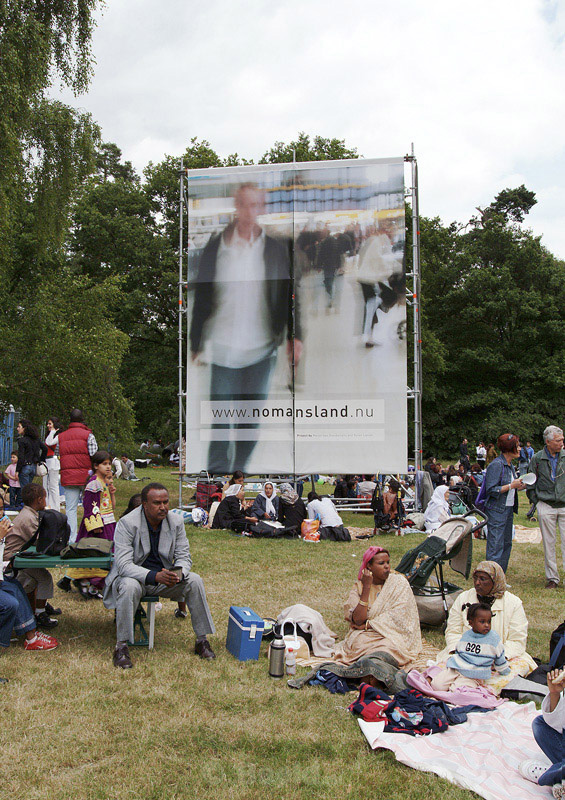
(181, 393)
(413, 298)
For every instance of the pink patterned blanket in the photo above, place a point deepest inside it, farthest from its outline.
(482, 755)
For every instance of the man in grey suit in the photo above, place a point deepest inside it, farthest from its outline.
(152, 557)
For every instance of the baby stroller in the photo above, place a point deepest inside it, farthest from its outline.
(453, 542)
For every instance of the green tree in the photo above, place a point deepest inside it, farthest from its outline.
(493, 298)
(45, 146)
(61, 347)
(66, 352)
(302, 149)
(109, 164)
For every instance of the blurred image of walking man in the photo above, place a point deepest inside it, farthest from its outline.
(243, 310)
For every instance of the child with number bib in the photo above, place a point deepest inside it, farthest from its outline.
(478, 651)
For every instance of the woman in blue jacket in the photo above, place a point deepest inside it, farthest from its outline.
(266, 505)
(501, 485)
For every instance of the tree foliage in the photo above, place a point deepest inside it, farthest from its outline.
(302, 149)
(65, 351)
(116, 233)
(46, 147)
(493, 299)
(62, 348)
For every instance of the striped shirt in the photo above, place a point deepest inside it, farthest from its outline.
(475, 654)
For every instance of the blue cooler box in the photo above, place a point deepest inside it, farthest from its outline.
(245, 631)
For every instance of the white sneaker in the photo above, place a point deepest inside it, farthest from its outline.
(532, 770)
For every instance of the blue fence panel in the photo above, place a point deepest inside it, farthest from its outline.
(7, 437)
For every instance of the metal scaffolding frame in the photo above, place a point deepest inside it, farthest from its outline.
(413, 290)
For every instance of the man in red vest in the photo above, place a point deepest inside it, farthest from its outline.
(76, 447)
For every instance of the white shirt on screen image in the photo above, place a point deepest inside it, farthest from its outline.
(325, 510)
(240, 332)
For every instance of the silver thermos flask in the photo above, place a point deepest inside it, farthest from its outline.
(276, 657)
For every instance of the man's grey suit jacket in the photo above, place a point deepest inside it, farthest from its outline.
(132, 546)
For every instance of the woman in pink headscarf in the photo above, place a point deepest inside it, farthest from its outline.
(381, 612)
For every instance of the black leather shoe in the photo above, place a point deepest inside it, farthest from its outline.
(43, 621)
(82, 589)
(52, 611)
(121, 657)
(204, 650)
(64, 584)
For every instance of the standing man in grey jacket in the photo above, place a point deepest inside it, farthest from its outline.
(549, 493)
(152, 557)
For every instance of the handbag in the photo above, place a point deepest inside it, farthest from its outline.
(89, 547)
(481, 498)
(41, 466)
(293, 641)
(310, 530)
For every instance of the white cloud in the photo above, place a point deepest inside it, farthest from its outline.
(477, 88)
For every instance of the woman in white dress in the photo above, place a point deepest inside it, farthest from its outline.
(51, 480)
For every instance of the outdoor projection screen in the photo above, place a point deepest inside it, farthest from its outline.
(297, 318)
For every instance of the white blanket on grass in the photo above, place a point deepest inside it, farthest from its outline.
(482, 754)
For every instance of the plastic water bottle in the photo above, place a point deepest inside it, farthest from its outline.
(290, 662)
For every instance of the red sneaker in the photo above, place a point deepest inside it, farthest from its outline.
(41, 642)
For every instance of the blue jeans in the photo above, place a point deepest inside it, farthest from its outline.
(15, 496)
(72, 496)
(553, 745)
(246, 383)
(329, 278)
(15, 611)
(27, 475)
(499, 534)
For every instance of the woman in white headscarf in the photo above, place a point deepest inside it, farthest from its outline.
(266, 504)
(437, 511)
(231, 513)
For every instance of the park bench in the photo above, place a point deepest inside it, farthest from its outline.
(30, 560)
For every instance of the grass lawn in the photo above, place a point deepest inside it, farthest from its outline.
(176, 727)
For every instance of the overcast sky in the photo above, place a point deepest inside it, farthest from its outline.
(477, 87)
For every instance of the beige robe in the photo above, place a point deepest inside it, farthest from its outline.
(392, 624)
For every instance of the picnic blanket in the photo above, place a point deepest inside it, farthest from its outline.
(527, 535)
(482, 755)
